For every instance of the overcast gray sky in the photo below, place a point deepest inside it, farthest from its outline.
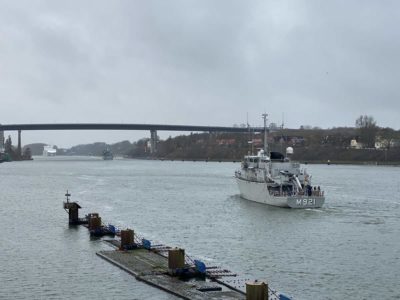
(321, 63)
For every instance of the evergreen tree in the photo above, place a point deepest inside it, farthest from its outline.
(8, 146)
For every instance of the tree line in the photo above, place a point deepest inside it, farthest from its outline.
(310, 144)
(13, 153)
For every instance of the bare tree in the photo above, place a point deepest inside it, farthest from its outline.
(367, 129)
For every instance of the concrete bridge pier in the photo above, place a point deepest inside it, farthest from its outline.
(1, 140)
(19, 143)
(153, 141)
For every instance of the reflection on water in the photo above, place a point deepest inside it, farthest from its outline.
(349, 246)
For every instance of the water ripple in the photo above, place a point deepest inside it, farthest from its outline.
(351, 244)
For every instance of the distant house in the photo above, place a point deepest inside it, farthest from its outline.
(382, 143)
(395, 143)
(226, 142)
(293, 140)
(257, 142)
(355, 145)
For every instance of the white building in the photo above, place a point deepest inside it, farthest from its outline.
(355, 145)
(49, 151)
(382, 143)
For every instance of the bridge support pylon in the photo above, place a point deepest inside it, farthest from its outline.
(1, 140)
(153, 141)
(19, 143)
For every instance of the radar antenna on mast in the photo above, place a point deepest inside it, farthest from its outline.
(67, 195)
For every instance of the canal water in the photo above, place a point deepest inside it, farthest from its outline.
(349, 249)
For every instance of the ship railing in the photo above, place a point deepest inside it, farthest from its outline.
(279, 194)
(317, 193)
(299, 193)
(314, 193)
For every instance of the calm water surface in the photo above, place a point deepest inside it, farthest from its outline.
(350, 249)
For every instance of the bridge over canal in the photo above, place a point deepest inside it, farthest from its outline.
(153, 128)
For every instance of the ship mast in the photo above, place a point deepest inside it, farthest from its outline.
(264, 115)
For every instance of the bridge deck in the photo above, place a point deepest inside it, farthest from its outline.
(112, 126)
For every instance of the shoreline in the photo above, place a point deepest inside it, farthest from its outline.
(232, 160)
(314, 162)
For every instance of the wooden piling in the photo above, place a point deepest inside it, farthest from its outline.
(127, 237)
(94, 221)
(176, 259)
(256, 290)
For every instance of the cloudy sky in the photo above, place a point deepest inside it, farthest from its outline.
(321, 63)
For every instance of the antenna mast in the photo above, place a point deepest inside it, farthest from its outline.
(67, 195)
(264, 115)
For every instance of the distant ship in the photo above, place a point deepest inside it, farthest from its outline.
(107, 154)
(271, 178)
(49, 151)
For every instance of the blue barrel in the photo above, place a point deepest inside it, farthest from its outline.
(111, 228)
(200, 266)
(146, 244)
